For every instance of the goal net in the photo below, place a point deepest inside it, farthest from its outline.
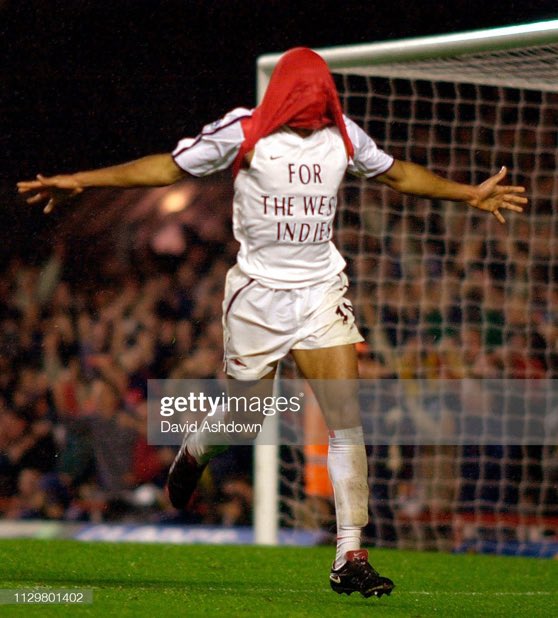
(442, 291)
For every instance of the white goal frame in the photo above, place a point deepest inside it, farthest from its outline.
(352, 59)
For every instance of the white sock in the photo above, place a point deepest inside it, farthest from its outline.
(348, 539)
(197, 442)
(348, 471)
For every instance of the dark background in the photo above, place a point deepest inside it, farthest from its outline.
(88, 83)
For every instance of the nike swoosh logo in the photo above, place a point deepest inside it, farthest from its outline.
(335, 579)
(276, 157)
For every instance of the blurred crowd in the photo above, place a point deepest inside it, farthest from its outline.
(439, 293)
(447, 293)
(457, 296)
(75, 358)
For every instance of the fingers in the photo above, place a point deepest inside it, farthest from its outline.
(26, 186)
(513, 202)
(41, 182)
(46, 182)
(497, 178)
(509, 199)
(55, 189)
(29, 185)
(512, 189)
(39, 197)
(509, 206)
(498, 216)
(514, 199)
(36, 185)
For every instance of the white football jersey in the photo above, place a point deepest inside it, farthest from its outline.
(285, 202)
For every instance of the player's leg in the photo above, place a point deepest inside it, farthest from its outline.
(199, 447)
(203, 446)
(254, 341)
(333, 373)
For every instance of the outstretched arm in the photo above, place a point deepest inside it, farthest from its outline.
(152, 171)
(489, 196)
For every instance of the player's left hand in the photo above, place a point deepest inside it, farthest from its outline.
(493, 197)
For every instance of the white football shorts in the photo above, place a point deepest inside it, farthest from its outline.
(261, 325)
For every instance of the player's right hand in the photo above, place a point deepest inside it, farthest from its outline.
(55, 190)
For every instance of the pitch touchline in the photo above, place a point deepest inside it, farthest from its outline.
(409, 592)
(398, 591)
(465, 593)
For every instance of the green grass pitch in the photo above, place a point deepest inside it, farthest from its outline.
(176, 580)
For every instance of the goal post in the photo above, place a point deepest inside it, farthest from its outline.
(461, 104)
(366, 58)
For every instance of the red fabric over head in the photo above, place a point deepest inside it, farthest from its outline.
(301, 94)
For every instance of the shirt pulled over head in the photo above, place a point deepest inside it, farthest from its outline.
(302, 95)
